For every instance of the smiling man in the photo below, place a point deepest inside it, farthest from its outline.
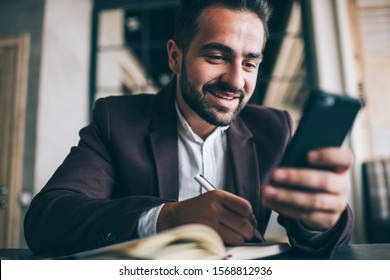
(132, 173)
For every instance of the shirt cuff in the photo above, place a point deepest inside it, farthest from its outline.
(148, 221)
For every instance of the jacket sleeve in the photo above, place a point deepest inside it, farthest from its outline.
(319, 243)
(76, 210)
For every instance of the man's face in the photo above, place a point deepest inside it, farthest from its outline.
(218, 73)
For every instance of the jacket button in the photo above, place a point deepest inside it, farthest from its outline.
(110, 236)
(104, 238)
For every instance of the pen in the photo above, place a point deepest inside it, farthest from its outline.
(204, 183)
(209, 187)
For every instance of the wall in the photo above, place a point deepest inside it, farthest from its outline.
(63, 94)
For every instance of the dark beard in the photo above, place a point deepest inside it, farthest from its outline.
(207, 110)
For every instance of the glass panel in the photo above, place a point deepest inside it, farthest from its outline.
(286, 85)
(132, 56)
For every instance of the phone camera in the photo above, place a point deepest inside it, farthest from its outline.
(327, 101)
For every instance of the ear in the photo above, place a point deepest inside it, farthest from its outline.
(174, 56)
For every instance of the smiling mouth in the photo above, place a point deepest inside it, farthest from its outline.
(224, 95)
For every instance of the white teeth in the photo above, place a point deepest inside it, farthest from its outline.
(223, 97)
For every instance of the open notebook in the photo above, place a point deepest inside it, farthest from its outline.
(191, 242)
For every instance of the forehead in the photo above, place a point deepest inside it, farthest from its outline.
(240, 30)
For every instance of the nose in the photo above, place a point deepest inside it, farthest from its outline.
(234, 76)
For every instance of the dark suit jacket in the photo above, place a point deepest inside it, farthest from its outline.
(127, 162)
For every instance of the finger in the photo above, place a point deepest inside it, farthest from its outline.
(315, 220)
(230, 237)
(238, 224)
(236, 213)
(312, 179)
(302, 200)
(320, 220)
(331, 157)
(234, 203)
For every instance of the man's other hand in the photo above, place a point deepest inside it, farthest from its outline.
(316, 197)
(231, 216)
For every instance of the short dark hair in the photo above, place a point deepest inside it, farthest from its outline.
(186, 26)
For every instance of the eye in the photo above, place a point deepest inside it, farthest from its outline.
(216, 58)
(251, 65)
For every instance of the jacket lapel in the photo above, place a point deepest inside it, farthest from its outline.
(244, 161)
(163, 141)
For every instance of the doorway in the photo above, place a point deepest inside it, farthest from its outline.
(14, 57)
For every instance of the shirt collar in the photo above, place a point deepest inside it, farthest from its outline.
(185, 129)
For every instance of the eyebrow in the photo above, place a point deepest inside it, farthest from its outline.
(228, 50)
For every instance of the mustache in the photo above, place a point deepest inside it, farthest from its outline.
(221, 86)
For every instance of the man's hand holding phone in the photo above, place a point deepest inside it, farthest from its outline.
(312, 182)
(321, 197)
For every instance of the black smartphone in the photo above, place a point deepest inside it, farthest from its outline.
(326, 120)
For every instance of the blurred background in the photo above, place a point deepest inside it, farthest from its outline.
(57, 57)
